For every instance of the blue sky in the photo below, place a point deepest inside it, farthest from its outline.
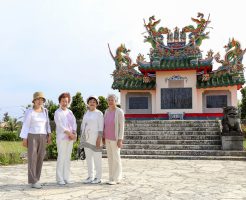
(56, 45)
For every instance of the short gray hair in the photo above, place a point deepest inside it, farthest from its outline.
(113, 96)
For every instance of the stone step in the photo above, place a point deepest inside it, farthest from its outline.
(175, 142)
(183, 152)
(234, 158)
(170, 125)
(172, 137)
(142, 128)
(171, 147)
(172, 133)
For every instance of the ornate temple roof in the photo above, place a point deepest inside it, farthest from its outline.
(133, 84)
(175, 64)
(178, 50)
(221, 81)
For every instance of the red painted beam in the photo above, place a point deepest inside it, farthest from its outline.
(208, 68)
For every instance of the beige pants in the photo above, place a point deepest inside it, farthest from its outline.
(114, 161)
(36, 152)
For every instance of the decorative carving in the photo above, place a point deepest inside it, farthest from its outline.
(123, 63)
(122, 58)
(205, 77)
(197, 34)
(146, 79)
(232, 62)
(176, 78)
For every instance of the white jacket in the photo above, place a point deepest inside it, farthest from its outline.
(62, 123)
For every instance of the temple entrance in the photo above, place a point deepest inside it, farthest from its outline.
(176, 98)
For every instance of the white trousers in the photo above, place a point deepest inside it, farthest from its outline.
(93, 159)
(114, 161)
(64, 148)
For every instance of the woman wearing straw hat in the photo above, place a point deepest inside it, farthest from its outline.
(36, 133)
(91, 136)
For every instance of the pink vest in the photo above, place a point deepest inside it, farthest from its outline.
(109, 126)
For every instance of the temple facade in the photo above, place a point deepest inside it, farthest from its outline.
(177, 82)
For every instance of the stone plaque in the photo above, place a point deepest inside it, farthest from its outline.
(216, 101)
(138, 102)
(176, 98)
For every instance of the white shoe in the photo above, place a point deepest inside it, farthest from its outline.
(96, 181)
(111, 183)
(68, 182)
(61, 183)
(88, 180)
(36, 185)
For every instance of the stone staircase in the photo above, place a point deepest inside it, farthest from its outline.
(175, 139)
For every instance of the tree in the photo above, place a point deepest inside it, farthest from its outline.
(52, 107)
(6, 117)
(78, 106)
(12, 125)
(103, 105)
(243, 103)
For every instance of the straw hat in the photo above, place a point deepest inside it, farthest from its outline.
(92, 97)
(37, 95)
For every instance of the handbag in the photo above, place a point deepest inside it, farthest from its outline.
(81, 153)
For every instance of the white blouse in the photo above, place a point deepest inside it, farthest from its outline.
(35, 123)
(65, 121)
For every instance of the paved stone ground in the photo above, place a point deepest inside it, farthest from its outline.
(143, 179)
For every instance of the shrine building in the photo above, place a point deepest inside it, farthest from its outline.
(177, 82)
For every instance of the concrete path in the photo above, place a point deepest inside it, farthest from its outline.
(143, 179)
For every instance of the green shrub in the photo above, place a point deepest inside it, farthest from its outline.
(52, 149)
(10, 158)
(75, 149)
(9, 136)
(11, 152)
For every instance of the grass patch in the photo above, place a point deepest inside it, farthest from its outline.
(10, 152)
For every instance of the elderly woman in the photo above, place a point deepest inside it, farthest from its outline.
(114, 122)
(65, 136)
(91, 136)
(36, 133)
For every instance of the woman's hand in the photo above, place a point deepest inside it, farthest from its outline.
(24, 142)
(119, 143)
(67, 133)
(72, 136)
(98, 142)
(49, 139)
